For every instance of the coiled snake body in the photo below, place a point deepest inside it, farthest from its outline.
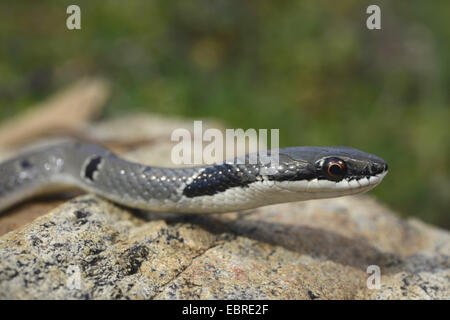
(303, 173)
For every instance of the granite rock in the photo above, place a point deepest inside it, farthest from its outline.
(88, 248)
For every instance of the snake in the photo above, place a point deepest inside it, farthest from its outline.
(302, 173)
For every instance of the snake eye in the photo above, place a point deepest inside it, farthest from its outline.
(335, 168)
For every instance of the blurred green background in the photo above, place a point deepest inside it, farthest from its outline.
(310, 68)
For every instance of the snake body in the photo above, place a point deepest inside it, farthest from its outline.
(302, 173)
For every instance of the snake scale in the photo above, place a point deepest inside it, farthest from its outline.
(302, 173)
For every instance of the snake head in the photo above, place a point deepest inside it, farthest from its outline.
(324, 172)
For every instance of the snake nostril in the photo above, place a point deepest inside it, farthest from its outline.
(373, 168)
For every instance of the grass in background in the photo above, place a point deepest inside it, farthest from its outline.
(311, 69)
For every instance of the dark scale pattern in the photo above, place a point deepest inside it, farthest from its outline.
(25, 164)
(219, 178)
(92, 167)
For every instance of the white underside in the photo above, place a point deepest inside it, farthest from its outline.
(257, 194)
(266, 192)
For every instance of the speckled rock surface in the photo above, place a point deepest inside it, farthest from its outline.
(89, 248)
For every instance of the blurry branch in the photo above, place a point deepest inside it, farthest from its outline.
(66, 111)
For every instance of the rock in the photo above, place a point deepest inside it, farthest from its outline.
(89, 248)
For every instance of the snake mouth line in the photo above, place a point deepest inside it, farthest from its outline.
(345, 185)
